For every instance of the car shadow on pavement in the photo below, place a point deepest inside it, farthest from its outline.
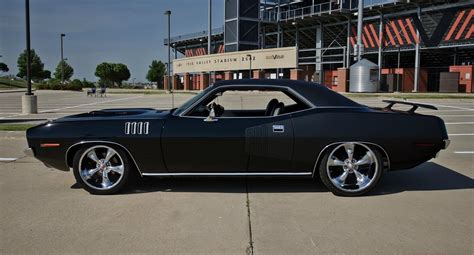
(425, 177)
(225, 185)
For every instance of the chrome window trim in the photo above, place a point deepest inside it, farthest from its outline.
(232, 174)
(290, 90)
(108, 142)
(329, 145)
(250, 117)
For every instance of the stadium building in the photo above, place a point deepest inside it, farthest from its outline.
(423, 46)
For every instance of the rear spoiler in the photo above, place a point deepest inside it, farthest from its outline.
(415, 106)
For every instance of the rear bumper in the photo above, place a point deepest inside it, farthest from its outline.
(446, 143)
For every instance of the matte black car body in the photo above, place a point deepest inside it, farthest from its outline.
(170, 143)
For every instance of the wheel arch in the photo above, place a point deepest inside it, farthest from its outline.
(385, 156)
(73, 149)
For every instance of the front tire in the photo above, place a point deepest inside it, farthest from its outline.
(101, 169)
(351, 169)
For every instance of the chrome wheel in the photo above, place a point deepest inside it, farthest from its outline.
(352, 167)
(101, 167)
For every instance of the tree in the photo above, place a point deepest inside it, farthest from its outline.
(105, 72)
(4, 67)
(156, 72)
(68, 71)
(111, 73)
(37, 67)
(45, 75)
(121, 73)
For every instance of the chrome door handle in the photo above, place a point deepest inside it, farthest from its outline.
(278, 129)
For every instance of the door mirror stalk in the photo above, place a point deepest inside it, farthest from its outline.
(212, 115)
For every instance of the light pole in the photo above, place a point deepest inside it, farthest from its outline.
(250, 65)
(209, 32)
(398, 68)
(175, 51)
(62, 58)
(360, 20)
(28, 101)
(28, 47)
(168, 13)
(295, 24)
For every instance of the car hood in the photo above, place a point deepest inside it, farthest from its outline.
(119, 114)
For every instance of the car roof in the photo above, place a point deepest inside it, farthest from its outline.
(315, 93)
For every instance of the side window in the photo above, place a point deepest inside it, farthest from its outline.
(249, 103)
(256, 100)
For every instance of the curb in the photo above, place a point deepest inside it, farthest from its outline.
(14, 90)
(6, 121)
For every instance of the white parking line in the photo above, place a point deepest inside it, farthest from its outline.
(7, 159)
(464, 152)
(434, 112)
(447, 106)
(465, 134)
(460, 115)
(459, 123)
(80, 105)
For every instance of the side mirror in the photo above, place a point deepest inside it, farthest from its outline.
(212, 115)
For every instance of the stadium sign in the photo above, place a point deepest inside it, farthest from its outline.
(241, 60)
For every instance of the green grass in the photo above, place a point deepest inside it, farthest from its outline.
(15, 127)
(12, 84)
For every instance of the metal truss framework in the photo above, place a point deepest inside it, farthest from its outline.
(325, 34)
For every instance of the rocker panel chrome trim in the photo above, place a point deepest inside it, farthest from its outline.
(230, 174)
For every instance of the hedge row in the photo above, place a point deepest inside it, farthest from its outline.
(75, 85)
(56, 86)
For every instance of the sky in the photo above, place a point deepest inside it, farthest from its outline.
(118, 31)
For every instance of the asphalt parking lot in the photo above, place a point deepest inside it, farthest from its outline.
(425, 210)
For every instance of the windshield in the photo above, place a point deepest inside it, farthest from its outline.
(191, 101)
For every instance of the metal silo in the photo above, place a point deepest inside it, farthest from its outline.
(364, 77)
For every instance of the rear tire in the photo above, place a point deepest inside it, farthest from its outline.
(350, 169)
(101, 169)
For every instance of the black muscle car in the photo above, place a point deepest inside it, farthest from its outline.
(293, 128)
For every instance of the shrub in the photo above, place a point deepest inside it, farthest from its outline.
(76, 87)
(55, 84)
(76, 83)
(87, 84)
(131, 86)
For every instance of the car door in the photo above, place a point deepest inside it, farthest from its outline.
(193, 145)
(269, 145)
